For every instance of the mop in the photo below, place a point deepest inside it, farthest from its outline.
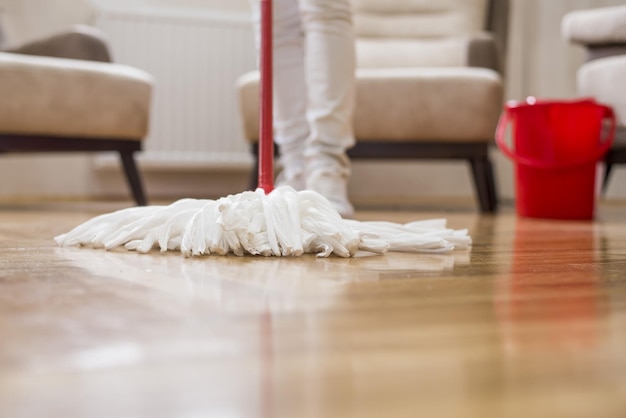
(264, 222)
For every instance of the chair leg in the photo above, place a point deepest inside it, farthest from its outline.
(608, 167)
(133, 178)
(253, 181)
(484, 183)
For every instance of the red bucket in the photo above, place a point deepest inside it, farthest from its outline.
(556, 147)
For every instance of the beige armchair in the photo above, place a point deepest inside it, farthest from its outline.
(429, 83)
(602, 32)
(62, 94)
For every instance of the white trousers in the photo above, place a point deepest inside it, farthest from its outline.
(314, 87)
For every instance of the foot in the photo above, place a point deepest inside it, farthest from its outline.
(291, 163)
(334, 187)
(294, 179)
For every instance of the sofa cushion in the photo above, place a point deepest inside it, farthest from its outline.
(64, 97)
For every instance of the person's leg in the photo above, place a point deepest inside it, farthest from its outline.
(290, 101)
(329, 68)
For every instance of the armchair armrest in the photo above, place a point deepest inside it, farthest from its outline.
(601, 26)
(601, 31)
(483, 51)
(80, 42)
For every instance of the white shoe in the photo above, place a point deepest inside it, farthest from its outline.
(334, 187)
(292, 166)
(291, 178)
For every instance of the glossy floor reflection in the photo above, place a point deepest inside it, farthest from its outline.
(530, 323)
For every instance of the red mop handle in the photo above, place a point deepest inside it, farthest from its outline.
(266, 131)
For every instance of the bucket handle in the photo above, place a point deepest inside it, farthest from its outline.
(505, 119)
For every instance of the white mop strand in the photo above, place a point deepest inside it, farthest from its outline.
(281, 223)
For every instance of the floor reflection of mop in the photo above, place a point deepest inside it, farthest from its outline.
(267, 222)
(226, 284)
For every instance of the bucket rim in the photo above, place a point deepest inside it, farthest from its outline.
(603, 146)
(532, 101)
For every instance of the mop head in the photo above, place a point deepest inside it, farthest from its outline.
(282, 223)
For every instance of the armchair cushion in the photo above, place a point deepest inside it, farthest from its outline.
(64, 97)
(410, 104)
(414, 104)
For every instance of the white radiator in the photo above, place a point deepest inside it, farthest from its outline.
(195, 58)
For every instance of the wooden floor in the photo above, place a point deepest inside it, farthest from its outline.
(530, 323)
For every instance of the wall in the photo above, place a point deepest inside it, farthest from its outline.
(540, 63)
(27, 19)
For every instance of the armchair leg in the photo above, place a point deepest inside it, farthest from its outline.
(484, 183)
(608, 167)
(133, 178)
(254, 178)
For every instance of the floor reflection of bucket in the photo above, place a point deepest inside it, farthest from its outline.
(554, 303)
